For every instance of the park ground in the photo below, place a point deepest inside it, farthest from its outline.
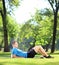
(6, 60)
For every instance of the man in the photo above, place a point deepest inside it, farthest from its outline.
(17, 53)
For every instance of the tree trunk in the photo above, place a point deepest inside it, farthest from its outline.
(47, 47)
(54, 32)
(6, 48)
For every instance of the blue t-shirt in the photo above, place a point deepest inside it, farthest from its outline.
(19, 52)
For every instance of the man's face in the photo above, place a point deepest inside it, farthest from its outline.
(15, 45)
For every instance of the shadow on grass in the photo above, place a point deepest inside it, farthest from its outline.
(5, 54)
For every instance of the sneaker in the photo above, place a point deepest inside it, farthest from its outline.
(48, 56)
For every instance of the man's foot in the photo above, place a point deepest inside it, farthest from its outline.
(48, 56)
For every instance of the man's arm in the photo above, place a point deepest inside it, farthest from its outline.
(14, 56)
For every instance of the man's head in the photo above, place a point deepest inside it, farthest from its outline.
(14, 44)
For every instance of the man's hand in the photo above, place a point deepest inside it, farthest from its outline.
(14, 56)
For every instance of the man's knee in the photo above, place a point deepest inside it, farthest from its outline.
(36, 48)
(39, 47)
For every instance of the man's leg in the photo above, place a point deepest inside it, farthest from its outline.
(39, 49)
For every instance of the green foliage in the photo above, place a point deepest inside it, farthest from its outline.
(1, 32)
(1, 5)
(13, 28)
(0, 20)
(11, 5)
(39, 27)
(57, 34)
(7, 6)
(14, 2)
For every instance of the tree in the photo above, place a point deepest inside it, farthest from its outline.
(39, 28)
(4, 19)
(29, 30)
(55, 7)
(3, 14)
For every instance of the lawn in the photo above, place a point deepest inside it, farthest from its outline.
(6, 60)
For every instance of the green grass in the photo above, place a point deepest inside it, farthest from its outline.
(6, 60)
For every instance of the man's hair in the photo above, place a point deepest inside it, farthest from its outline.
(13, 42)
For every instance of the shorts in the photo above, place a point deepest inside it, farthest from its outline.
(31, 53)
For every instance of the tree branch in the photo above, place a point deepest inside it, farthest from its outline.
(57, 7)
(58, 4)
(51, 5)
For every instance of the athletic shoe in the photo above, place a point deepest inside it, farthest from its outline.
(48, 56)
